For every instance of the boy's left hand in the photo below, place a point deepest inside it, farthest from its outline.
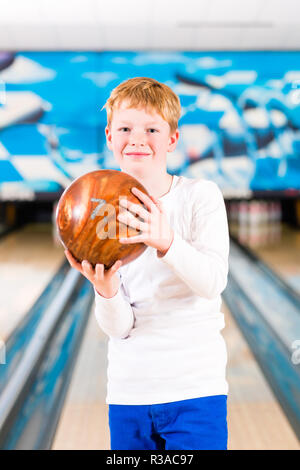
(155, 228)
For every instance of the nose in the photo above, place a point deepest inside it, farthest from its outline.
(137, 138)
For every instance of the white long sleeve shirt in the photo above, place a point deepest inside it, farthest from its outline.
(164, 322)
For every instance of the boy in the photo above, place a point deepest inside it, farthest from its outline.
(167, 358)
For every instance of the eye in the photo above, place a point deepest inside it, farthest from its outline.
(122, 128)
(154, 130)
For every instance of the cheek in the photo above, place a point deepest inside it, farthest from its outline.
(160, 144)
(119, 143)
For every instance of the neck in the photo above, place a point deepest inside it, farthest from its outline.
(158, 186)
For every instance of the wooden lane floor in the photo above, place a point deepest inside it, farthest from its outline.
(28, 260)
(84, 420)
(255, 419)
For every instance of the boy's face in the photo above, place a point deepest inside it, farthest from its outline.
(140, 140)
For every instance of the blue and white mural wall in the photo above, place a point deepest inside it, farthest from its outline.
(240, 123)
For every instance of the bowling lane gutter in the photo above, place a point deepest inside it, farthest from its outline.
(23, 332)
(33, 394)
(267, 311)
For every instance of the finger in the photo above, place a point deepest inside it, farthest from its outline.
(128, 219)
(99, 271)
(135, 239)
(144, 198)
(135, 209)
(87, 269)
(157, 203)
(73, 262)
(114, 267)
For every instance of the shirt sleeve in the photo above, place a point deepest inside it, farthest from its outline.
(202, 263)
(114, 315)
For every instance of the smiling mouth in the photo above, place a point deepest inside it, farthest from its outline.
(139, 154)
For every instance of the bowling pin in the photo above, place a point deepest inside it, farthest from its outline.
(254, 223)
(243, 222)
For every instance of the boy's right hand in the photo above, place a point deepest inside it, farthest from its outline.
(105, 282)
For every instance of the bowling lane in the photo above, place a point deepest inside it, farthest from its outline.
(255, 420)
(257, 225)
(29, 259)
(284, 255)
(84, 420)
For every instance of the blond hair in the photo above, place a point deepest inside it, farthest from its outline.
(148, 93)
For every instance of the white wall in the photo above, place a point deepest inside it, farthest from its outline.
(149, 24)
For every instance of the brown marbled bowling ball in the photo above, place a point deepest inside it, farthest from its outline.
(86, 218)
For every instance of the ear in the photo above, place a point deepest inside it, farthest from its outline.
(108, 137)
(173, 139)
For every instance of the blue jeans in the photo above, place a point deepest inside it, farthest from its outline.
(195, 424)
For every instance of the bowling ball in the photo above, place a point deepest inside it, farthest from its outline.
(86, 218)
